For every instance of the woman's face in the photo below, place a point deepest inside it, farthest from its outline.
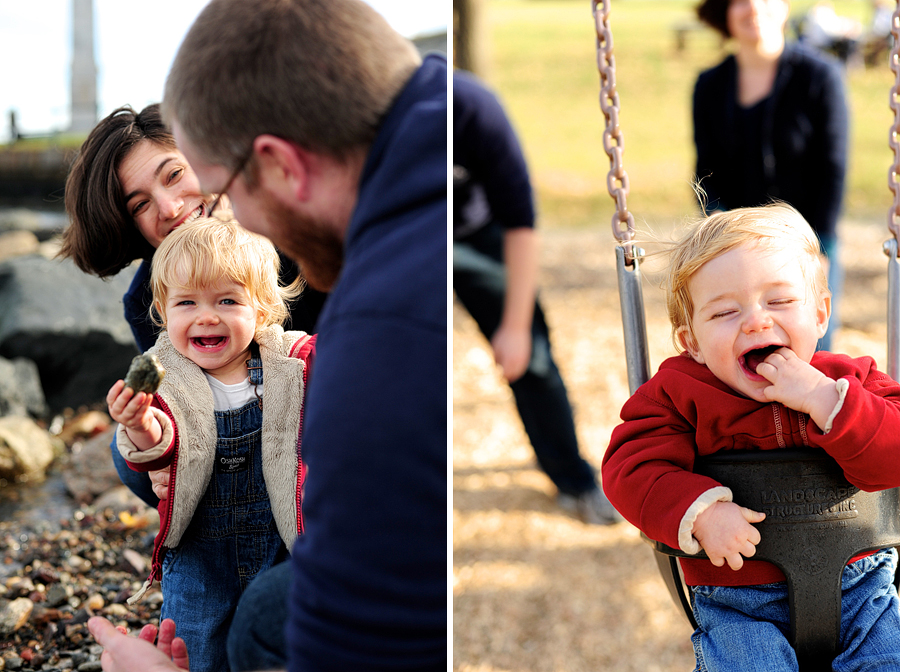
(754, 20)
(161, 191)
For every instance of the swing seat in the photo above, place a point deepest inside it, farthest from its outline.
(816, 521)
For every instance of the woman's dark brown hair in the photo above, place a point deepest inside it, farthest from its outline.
(102, 237)
(714, 13)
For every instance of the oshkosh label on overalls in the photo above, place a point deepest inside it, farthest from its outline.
(231, 465)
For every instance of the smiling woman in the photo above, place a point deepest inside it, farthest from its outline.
(771, 123)
(102, 238)
(161, 191)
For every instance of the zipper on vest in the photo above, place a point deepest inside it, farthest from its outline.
(156, 562)
(300, 468)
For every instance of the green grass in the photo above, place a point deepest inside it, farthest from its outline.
(58, 140)
(542, 63)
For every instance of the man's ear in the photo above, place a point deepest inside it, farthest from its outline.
(688, 342)
(282, 168)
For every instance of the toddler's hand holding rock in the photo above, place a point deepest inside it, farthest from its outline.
(132, 411)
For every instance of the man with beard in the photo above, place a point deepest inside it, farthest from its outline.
(328, 133)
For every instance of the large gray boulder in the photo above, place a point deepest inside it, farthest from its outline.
(20, 389)
(69, 324)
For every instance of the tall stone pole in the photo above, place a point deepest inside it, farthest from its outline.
(84, 69)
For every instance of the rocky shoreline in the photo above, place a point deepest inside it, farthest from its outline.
(74, 542)
(56, 571)
(56, 579)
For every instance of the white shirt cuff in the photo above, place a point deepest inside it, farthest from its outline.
(842, 385)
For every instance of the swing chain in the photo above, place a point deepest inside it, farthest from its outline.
(894, 136)
(613, 141)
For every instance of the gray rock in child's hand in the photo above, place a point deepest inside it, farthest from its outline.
(145, 374)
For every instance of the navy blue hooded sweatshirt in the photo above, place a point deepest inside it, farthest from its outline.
(370, 573)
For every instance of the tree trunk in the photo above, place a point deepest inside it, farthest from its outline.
(469, 41)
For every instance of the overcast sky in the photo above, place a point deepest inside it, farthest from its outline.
(134, 44)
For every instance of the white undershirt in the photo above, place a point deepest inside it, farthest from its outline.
(227, 397)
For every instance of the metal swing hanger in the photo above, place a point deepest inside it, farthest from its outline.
(891, 245)
(613, 141)
(628, 257)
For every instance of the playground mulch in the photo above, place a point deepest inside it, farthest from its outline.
(534, 589)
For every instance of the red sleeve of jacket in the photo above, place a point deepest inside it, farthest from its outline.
(647, 472)
(166, 458)
(864, 436)
(305, 349)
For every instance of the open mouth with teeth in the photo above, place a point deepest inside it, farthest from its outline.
(208, 342)
(196, 214)
(753, 358)
(199, 212)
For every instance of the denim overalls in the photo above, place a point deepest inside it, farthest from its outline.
(232, 537)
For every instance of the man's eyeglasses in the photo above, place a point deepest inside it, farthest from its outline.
(237, 171)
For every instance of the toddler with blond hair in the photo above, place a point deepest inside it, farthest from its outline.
(236, 475)
(748, 300)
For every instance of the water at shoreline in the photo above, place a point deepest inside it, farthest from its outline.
(44, 223)
(34, 504)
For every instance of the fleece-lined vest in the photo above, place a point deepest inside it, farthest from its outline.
(184, 406)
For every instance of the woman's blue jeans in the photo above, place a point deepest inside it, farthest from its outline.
(746, 628)
(479, 280)
(832, 250)
(256, 640)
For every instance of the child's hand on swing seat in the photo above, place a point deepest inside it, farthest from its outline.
(725, 532)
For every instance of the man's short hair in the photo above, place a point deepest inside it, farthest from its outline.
(319, 73)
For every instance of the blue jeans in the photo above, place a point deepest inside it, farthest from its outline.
(479, 280)
(746, 628)
(231, 539)
(256, 640)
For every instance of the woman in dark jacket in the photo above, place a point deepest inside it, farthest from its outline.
(771, 123)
